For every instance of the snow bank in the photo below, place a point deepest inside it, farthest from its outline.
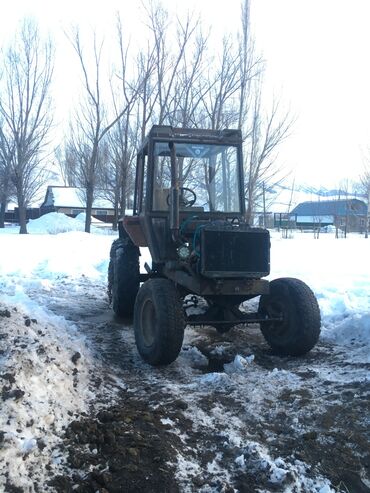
(56, 222)
(33, 260)
(45, 365)
(44, 378)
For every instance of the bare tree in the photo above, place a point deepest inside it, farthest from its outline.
(147, 94)
(6, 188)
(268, 130)
(155, 96)
(91, 123)
(250, 67)
(263, 129)
(344, 190)
(26, 112)
(168, 62)
(66, 163)
(121, 138)
(190, 85)
(117, 174)
(289, 223)
(220, 101)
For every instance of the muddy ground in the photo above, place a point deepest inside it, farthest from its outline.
(269, 424)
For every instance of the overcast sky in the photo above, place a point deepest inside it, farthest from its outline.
(318, 53)
(317, 63)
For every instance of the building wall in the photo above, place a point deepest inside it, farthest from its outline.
(355, 224)
(74, 211)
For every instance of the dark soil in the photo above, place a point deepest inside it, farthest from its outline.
(123, 448)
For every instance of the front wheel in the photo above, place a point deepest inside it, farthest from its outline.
(298, 329)
(158, 322)
(123, 276)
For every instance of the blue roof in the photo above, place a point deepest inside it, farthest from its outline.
(331, 207)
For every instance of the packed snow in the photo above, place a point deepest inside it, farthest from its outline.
(46, 364)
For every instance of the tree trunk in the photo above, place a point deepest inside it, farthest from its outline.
(115, 218)
(89, 202)
(22, 210)
(249, 208)
(2, 214)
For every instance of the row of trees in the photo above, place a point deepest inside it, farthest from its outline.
(179, 79)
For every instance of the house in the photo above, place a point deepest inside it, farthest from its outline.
(70, 201)
(347, 214)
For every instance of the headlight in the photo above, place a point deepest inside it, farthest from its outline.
(183, 252)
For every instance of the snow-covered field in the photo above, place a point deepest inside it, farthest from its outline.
(54, 318)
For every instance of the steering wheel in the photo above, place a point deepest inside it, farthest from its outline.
(187, 197)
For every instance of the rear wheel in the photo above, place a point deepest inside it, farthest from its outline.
(123, 276)
(158, 322)
(299, 329)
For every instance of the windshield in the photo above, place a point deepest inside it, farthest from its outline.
(208, 177)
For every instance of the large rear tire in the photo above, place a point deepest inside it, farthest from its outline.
(123, 276)
(159, 322)
(299, 330)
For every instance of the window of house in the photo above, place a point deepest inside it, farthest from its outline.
(77, 211)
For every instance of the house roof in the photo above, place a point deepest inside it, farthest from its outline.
(331, 208)
(71, 197)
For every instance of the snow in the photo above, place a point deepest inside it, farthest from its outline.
(260, 460)
(338, 272)
(47, 387)
(239, 364)
(52, 385)
(56, 222)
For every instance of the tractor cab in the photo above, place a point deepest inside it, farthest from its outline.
(189, 204)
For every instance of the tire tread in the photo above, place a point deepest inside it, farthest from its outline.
(123, 276)
(171, 321)
(306, 317)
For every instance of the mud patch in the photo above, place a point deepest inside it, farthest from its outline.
(123, 448)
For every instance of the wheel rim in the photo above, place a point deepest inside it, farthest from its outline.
(148, 322)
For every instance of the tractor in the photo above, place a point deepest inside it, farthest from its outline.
(206, 260)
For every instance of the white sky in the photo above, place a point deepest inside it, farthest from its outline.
(317, 64)
(318, 54)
